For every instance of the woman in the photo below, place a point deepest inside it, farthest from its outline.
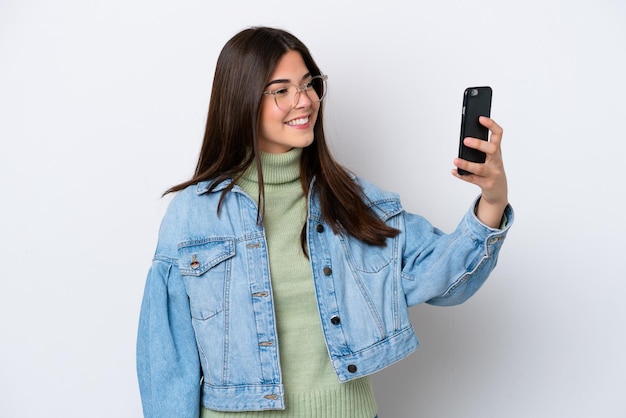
(281, 281)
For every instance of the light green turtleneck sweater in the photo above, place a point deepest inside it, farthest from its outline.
(312, 389)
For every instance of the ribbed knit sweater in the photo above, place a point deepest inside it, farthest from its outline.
(312, 389)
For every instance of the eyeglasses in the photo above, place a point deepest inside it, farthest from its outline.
(287, 95)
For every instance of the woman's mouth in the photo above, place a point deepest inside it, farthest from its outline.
(298, 122)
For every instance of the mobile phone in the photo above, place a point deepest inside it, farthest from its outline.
(476, 103)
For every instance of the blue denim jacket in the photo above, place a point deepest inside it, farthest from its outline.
(207, 329)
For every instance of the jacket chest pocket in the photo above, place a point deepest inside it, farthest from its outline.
(366, 258)
(205, 266)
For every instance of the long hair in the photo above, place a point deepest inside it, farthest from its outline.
(230, 142)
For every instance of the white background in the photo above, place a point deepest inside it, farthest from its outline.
(102, 108)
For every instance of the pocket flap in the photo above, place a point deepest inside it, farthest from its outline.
(197, 257)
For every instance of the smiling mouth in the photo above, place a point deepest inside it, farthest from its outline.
(298, 122)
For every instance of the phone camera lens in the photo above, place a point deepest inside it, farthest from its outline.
(474, 92)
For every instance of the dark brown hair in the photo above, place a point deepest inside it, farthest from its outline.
(231, 139)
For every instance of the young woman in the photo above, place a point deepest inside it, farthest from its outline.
(281, 281)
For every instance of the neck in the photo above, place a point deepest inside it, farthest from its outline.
(277, 168)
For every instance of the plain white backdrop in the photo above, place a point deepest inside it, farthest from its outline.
(102, 108)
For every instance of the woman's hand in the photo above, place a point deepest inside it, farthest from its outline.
(490, 176)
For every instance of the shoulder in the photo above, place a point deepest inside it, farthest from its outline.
(385, 202)
(185, 212)
(194, 197)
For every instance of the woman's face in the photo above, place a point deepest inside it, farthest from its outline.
(282, 130)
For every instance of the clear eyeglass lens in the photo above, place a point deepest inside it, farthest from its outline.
(287, 97)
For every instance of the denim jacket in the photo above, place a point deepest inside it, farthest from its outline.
(207, 328)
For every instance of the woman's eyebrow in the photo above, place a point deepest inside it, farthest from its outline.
(285, 80)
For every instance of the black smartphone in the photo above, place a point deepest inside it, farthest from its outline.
(476, 103)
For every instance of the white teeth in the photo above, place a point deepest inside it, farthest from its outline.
(296, 122)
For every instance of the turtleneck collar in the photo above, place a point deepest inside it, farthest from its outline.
(277, 168)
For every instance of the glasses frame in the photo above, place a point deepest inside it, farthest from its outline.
(299, 89)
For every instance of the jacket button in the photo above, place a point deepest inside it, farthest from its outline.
(319, 228)
(352, 368)
(335, 320)
(327, 271)
(194, 263)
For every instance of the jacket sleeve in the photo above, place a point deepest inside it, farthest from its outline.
(447, 269)
(168, 365)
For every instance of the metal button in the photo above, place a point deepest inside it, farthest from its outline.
(335, 320)
(194, 263)
(352, 368)
(327, 271)
(319, 228)
(493, 240)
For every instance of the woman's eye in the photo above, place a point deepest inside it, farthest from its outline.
(280, 91)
